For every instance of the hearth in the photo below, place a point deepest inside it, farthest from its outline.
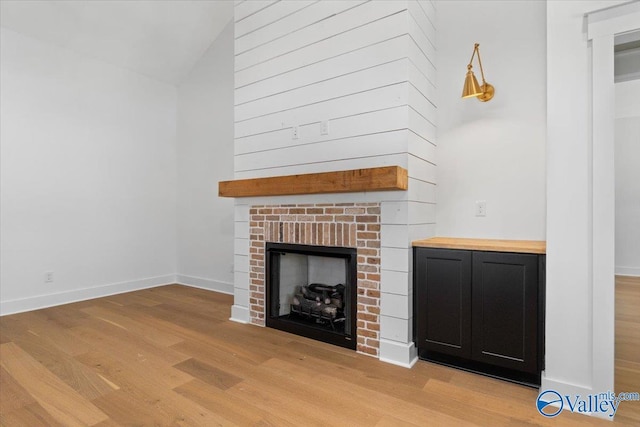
(311, 291)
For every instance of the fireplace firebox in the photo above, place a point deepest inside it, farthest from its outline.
(311, 291)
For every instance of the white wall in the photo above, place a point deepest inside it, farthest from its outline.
(493, 151)
(627, 158)
(571, 359)
(87, 177)
(204, 157)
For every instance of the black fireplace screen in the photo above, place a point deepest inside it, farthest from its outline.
(311, 291)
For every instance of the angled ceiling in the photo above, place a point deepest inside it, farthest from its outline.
(160, 39)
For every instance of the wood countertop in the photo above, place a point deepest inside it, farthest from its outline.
(519, 246)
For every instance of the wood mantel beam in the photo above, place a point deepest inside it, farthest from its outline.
(387, 178)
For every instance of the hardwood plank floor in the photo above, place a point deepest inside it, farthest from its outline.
(628, 345)
(170, 356)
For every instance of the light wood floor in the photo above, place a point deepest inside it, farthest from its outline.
(169, 356)
(628, 343)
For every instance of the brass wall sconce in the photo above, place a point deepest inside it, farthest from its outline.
(471, 87)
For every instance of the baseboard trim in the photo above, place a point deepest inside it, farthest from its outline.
(50, 300)
(207, 284)
(628, 271)
(564, 389)
(239, 314)
(396, 353)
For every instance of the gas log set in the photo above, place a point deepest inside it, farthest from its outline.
(321, 302)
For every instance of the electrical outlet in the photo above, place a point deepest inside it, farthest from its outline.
(481, 208)
(324, 127)
(294, 132)
(48, 277)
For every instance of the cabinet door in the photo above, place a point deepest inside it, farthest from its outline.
(443, 301)
(505, 307)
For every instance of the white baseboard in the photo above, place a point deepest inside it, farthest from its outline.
(397, 353)
(66, 297)
(239, 314)
(208, 284)
(564, 389)
(628, 271)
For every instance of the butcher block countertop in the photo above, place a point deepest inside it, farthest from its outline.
(519, 246)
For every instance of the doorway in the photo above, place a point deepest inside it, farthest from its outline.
(603, 28)
(627, 220)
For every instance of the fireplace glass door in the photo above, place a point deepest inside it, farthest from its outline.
(311, 291)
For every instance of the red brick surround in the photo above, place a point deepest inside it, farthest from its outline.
(355, 225)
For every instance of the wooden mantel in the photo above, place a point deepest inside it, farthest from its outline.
(387, 178)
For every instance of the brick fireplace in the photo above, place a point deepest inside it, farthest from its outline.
(353, 225)
(376, 225)
(334, 144)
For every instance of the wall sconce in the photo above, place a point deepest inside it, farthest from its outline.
(471, 87)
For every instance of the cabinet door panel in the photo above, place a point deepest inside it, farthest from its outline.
(443, 298)
(504, 311)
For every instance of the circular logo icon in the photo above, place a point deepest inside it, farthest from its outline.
(546, 401)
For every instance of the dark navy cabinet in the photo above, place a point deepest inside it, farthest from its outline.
(480, 310)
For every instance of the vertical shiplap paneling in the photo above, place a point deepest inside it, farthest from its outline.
(300, 63)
